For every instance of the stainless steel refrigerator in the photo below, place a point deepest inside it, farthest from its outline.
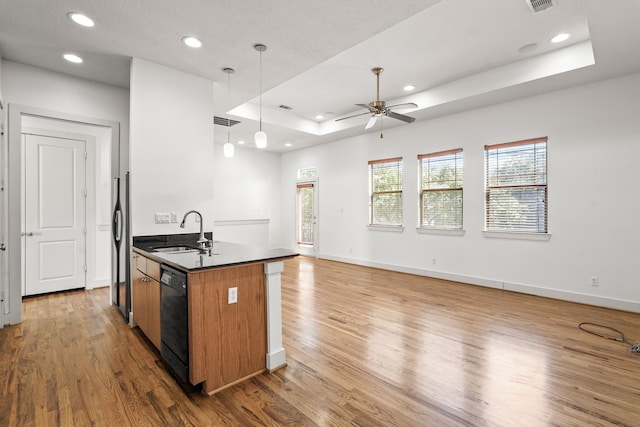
(120, 259)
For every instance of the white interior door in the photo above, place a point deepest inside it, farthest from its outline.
(307, 217)
(55, 214)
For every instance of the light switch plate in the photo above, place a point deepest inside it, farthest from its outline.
(233, 295)
(162, 218)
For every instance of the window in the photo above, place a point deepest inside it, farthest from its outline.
(306, 173)
(385, 189)
(516, 186)
(441, 189)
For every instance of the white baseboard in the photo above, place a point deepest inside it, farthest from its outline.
(276, 359)
(491, 283)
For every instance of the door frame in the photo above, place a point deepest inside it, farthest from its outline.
(14, 191)
(305, 249)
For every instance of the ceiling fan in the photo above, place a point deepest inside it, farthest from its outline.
(379, 108)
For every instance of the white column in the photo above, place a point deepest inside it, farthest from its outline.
(276, 356)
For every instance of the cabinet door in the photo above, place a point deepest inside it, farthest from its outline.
(139, 297)
(153, 312)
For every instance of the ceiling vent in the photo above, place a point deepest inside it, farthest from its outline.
(285, 107)
(224, 122)
(540, 5)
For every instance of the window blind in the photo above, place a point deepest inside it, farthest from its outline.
(441, 181)
(385, 205)
(516, 186)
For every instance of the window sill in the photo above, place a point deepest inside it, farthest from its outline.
(441, 231)
(391, 228)
(517, 236)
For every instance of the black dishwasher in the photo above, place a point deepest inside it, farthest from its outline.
(174, 326)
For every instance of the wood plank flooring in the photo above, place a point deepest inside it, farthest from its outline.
(365, 347)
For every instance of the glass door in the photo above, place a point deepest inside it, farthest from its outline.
(307, 217)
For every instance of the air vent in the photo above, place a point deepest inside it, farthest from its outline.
(540, 5)
(285, 107)
(224, 122)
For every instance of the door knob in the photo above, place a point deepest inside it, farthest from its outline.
(30, 233)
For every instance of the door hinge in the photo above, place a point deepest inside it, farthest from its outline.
(1, 297)
(2, 247)
(85, 155)
(2, 185)
(84, 229)
(84, 192)
(85, 268)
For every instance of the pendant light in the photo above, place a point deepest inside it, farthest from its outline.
(261, 136)
(228, 147)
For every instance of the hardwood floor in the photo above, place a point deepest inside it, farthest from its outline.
(365, 347)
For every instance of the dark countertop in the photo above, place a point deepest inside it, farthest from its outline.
(224, 254)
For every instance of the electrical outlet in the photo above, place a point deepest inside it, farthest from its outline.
(233, 295)
(434, 261)
(595, 281)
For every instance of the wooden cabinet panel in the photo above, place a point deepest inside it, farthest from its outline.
(146, 297)
(138, 297)
(233, 336)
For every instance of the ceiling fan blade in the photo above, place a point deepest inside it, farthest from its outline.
(403, 106)
(355, 115)
(372, 121)
(400, 117)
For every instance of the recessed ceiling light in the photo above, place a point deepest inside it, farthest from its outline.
(81, 19)
(560, 37)
(408, 88)
(288, 144)
(72, 58)
(528, 48)
(319, 117)
(241, 142)
(192, 41)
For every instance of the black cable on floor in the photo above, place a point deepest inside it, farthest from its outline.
(616, 336)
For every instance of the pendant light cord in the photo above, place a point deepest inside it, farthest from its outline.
(260, 89)
(228, 106)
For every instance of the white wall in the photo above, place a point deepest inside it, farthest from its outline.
(593, 149)
(247, 197)
(171, 148)
(36, 87)
(64, 96)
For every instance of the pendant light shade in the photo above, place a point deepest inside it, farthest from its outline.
(260, 136)
(261, 139)
(228, 148)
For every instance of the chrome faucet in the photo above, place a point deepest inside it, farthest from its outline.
(202, 241)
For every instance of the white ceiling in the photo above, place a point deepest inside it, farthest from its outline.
(459, 54)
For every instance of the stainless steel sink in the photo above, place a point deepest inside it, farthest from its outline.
(175, 249)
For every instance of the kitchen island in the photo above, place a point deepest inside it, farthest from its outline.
(232, 305)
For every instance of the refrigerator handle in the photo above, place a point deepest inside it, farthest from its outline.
(116, 221)
(117, 218)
